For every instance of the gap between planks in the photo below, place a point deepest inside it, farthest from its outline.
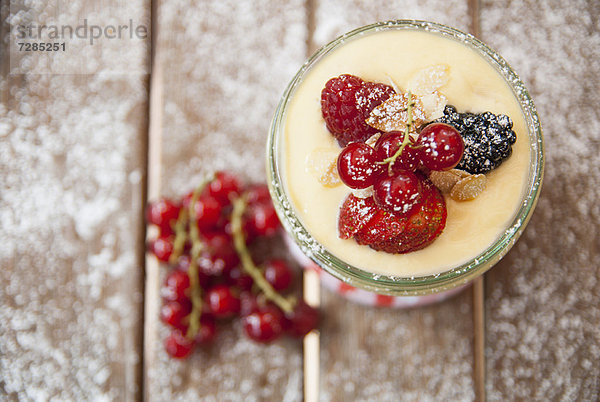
(479, 283)
(153, 169)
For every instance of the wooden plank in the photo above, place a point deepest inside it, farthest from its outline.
(72, 162)
(542, 314)
(221, 67)
(373, 353)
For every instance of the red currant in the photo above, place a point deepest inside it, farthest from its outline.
(208, 330)
(174, 312)
(260, 220)
(237, 277)
(302, 319)
(264, 325)
(258, 193)
(162, 247)
(441, 146)
(218, 262)
(216, 241)
(248, 303)
(357, 165)
(163, 213)
(183, 264)
(222, 302)
(220, 255)
(208, 212)
(278, 274)
(224, 186)
(177, 345)
(400, 194)
(176, 285)
(387, 145)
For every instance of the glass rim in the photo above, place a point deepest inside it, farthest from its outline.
(414, 285)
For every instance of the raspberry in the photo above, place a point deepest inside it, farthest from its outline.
(346, 102)
(488, 138)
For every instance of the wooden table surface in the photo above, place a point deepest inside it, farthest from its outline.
(80, 154)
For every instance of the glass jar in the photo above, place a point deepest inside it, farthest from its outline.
(413, 285)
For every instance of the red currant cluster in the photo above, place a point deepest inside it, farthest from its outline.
(205, 239)
(390, 165)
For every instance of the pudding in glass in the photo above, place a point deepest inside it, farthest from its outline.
(477, 232)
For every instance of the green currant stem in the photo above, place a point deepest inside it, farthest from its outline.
(406, 140)
(180, 236)
(195, 291)
(239, 241)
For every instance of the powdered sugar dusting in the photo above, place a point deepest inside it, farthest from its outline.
(221, 94)
(335, 17)
(70, 201)
(543, 332)
(397, 353)
(392, 115)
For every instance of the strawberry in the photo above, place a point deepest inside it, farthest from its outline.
(362, 219)
(384, 226)
(354, 214)
(423, 227)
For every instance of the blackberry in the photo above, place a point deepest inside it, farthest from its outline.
(488, 138)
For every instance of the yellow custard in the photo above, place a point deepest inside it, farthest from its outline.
(474, 85)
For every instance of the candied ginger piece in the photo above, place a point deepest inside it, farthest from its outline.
(392, 114)
(321, 163)
(469, 188)
(429, 79)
